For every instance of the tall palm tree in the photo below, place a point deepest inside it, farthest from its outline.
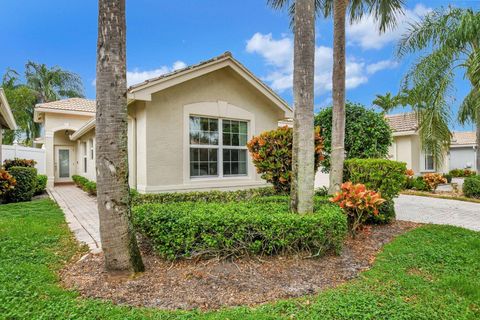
(449, 39)
(303, 172)
(385, 12)
(53, 83)
(114, 204)
(386, 102)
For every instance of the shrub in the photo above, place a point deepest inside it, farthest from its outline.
(264, 227)
(41, 184)
(85, 184)
(17, 162)
(462, 173)
(367, 133)
(409, 178)
(432, 180)
(26, 178)
(7, 183)
(386, 213)
(272, 156)
(420, 185)
(471, 187)
(358, 203)
(448, 177)
(381, 175)
(203, 196)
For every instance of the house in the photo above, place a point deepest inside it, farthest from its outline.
(463, 151)
(7, 121)
(406, 147)
(187, 130)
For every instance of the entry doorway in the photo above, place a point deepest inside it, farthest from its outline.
(64, 163)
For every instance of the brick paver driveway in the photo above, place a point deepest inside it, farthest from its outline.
(81, 214)
(438, 211)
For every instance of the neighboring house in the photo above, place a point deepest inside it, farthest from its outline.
(7, 121)
(406, 147)
(187, 130)
(463, 151)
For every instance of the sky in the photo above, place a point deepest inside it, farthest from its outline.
(166, 35)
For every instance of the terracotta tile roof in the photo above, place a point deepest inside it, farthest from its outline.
(460, 138)
(402, 122)
(71, 104)
(166, 75)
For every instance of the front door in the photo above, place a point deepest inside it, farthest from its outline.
(63, 164)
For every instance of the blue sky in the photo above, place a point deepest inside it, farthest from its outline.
(164, 35)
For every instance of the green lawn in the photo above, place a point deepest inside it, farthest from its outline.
(429, 273)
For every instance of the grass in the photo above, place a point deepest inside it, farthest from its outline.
(439, 196)
(428, 273)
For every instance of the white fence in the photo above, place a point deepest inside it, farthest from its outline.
(16, 151)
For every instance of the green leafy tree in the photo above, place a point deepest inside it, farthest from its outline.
(449, 40)
(367, 133)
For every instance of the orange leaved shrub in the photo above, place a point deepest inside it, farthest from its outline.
(271, 152)
(433, 180)
(7, 182)
(358, 203)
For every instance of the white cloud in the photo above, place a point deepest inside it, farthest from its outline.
(366, 35)
(278, 55)
(137, 76)
(381, 65)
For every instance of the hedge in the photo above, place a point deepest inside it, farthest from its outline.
(471, 187)
(262, 226)
(85, 184)
(382, 175)
(24, 190)
(202, 196)
(41, 184)
(18, 162)
(462, 173)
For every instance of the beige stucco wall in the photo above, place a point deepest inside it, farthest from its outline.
(162, 126)
(402, 149)
(89, 140)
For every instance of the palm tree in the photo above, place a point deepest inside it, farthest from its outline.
(113, 195)
(387, 102)
(53, 83)
(385, 12)
(449, 39)
(303, 172)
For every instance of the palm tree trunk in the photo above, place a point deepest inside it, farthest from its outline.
(116, 232)
(338, 91)
(303, 174)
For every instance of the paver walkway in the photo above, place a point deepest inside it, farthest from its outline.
(438, 211)
(81, 214)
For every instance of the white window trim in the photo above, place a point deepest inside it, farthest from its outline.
(85, 156)
(424, 163)
(219, 110)
(220, 147)
(92, 149)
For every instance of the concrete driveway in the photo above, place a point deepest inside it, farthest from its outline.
(438, 211)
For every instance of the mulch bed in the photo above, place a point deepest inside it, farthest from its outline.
(211, 284)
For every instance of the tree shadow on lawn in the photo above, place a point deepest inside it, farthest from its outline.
(212, 284)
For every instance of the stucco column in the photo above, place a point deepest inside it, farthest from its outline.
(1, 141)
(50, 159)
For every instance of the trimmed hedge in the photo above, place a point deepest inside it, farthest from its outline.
(202, 196)
(262, 226)
(471, 187)
(462, 173)
(85, 184)
(382, 175)
(18, 162)
(41, 184)
(24, 190)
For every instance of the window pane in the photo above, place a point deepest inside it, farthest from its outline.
(234, 162)
(203, 162)
(242, 139)
(242, 155)
(234, 154)
(235, 141)
(242, 168)
(226, 168)
(227, 141)
(234, 128)
(227, 126)
(226, 155)
(203, 131)
(243, 128)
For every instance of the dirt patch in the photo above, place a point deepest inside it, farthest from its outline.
(212, 284)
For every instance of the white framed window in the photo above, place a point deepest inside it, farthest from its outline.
(217, 147)
(84, 150)
(92, 149)
(429, 164)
